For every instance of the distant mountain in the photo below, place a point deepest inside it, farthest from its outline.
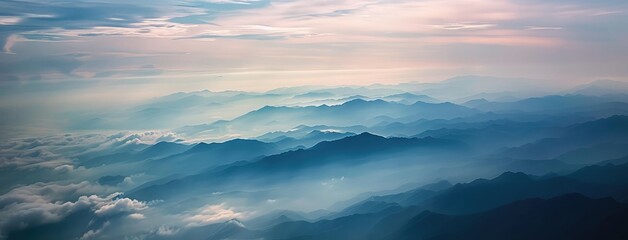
(346, 152)
(206, 155)
(381, 90)
(615, 161)
(608, 174)
(352, 227)
(315, 95)
(163, 149)
(505, 207)
(481, 195)
(349, 149)
(311, 139)
(595, 153)
(602, 87)
(230, 229)
(302, 131)
(408, 191)
(612, 130)
(476, 103)
(406, 198)
(158, 150)
(538, 167)
(371, 205)
(505, 96)
(570, 216)
(493, 135)
(465, 86)
(409, 98)
(354, 112)
(557, 104)
(274, 218)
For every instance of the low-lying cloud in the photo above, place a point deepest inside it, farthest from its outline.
(42, 203)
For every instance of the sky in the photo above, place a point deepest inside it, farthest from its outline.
(57, 53)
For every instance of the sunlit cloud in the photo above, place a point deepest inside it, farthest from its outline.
(213, 214)
(463, 26)
(534, 28)
(43, 203)
(9, 20)
(10, 41)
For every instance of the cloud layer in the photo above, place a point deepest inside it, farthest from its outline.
(41, 203)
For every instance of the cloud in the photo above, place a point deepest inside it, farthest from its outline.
(136, 216)
(464, 26)
(117, 206)
(133, 138)
(331, 183)
(66, 168)
(41, 15)
(9, 42)
(52, 152)
(39, 157)
(9, 20)
(48, 192)
(92, 234)
(59, 152)
(53, 65)
(167, 230)
(534, 28)
(42, 203)
(213, 214)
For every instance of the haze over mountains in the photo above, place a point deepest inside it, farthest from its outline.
(470, 157)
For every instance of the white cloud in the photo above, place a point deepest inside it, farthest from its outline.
(131, 138)
(92, 234)
(65, 168)
(48, 192)
(533, 28)
(4, 20)
(116, 206)
(37, 157)
(213, 214)
(42, 203)
(136, 216)
(463, 26)
(58, 151)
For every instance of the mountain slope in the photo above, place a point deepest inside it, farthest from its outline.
(354, 112)
(343, 153)
(570, 216)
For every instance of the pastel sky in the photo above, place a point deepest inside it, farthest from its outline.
(86, 46)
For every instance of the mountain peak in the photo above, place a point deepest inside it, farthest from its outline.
(366, 135)
(199, 146)
(512, 177)
(165, 143)
(236, 222)
(355, 101)
(360, 102)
